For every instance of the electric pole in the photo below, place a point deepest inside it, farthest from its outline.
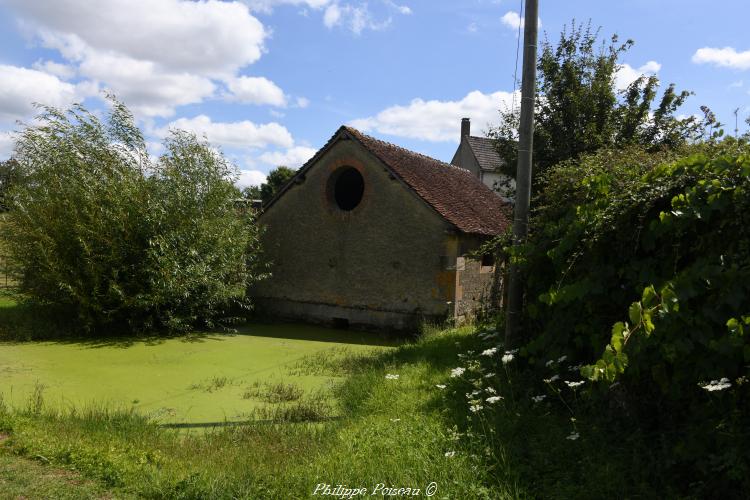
(523, 171)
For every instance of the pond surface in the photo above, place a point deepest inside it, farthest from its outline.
(193, 380)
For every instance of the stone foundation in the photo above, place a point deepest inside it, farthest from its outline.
(341, 316)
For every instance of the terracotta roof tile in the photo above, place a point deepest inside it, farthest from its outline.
(458, 196)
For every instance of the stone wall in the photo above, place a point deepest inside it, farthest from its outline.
(389, 262)
(473, 287)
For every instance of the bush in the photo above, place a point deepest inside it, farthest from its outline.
(639, 266)
(117, 238)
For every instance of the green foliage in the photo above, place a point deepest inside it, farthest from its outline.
(251, 193)
(579, 109)
(116, 238)
(9, 174)
(276, 180)
(638, 266)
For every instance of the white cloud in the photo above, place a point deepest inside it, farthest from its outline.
(512, 20)
(401, 9)
(727, 57)
(737, 85)
(154, 54)
(6, 145)
(144, 86)
(211, 37)
(332, 16)
(63, 71)
(255, 90)
(249, 178)
(243, 134)
(356, 18)
(293, 157)
(267, 6)
(20, 87)
(434, 120)
(303, 102)
(626, 74)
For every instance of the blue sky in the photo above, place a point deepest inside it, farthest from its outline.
(269, 81)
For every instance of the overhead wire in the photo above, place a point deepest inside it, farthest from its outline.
(515, 71)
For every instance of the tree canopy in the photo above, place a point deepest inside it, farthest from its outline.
(120, 239)
(9, 173)
(276, 179)
(579, 108)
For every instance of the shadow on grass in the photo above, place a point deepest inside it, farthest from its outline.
(299, 331)
(244, 423)
(28, 322)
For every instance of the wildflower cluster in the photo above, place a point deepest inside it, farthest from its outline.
(717, 385)
(474, 374)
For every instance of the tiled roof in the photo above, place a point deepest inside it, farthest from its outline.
(485, 153)
(458, 196)
(454, 193)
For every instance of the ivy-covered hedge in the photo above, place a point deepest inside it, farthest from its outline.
(638, 267)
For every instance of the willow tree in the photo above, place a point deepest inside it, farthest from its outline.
(120, 239)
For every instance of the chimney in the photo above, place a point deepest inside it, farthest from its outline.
(465, 127)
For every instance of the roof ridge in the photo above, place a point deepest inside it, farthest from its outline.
(408, 151)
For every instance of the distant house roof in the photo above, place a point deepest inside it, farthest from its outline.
(485, 153)
(454, 193)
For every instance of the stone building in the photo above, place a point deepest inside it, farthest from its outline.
(369, 234)
(478, 155)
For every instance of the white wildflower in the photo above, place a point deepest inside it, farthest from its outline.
(490, 375)
(489, 352)
(493, 399)
(538, 399)
(552, 379)
(717, 385)
(457, 372)
(561, 359)
(475, 408)
(507, 358)
(549, 363)
(391, 376)
(450, 454)
(441, 386)
(573, 385)
(573, 436)
(575, 368)
(491, 390)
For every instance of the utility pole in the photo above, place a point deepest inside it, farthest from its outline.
(523, 171)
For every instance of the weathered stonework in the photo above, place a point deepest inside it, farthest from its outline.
(388, 263)
(473, 288)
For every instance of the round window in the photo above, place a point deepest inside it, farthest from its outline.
(348, 188)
